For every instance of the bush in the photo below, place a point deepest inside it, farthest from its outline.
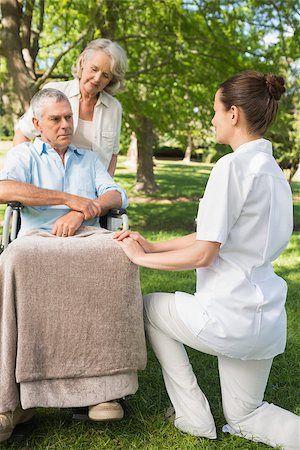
(215, 152)
(168, 153)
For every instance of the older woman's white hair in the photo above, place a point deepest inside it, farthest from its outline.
(118, 62)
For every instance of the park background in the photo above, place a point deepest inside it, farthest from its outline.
(178, 52)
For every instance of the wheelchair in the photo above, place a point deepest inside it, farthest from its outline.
(114, 219)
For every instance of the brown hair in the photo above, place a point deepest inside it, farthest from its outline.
(257, 94)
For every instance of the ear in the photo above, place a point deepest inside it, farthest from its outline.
(36, 124)
(81, 62)
(235, 114)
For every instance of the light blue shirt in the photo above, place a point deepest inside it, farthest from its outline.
(39, 164)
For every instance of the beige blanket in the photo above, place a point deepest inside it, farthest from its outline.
(69, 308)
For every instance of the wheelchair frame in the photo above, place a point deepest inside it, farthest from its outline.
(11, 223)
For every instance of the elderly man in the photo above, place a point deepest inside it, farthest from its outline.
(62, 187)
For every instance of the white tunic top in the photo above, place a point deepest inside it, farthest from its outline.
(238, 308)
(106, 125)
(82, 138)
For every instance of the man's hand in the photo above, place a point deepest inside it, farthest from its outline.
(68, 224)
(89, 208)
(123, 234)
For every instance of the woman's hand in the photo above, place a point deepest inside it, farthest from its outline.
(68, 224)
(119, 236)
(132, 249)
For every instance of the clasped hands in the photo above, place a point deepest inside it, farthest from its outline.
(88, 207)
(82, 209)
(133, 244)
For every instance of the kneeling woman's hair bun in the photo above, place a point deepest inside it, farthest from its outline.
(257, 94)
(275, 85)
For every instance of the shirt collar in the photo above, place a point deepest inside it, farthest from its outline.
(103, 99)
(259, 145)
(74, 88)
(43, 147)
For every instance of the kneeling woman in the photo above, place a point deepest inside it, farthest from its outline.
(237, 313)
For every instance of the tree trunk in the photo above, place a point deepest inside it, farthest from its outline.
(296, 173)
(10, 108)
(145, 138)
(189, 149)
(293, 170)
(132, 152)
(13, 51)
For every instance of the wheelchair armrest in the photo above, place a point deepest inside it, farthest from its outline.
(117, 217)
(15, 205)
(116, 212)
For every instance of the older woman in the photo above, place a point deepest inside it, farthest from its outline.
(98, 73)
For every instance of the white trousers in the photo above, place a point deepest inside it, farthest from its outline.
(243, 384)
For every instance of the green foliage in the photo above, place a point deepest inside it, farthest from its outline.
(285, 133)
(64, 21)
(179, 52)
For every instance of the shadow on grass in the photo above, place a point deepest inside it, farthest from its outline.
(157, 217)
(296, 210)
(174, 180)
(295, 185)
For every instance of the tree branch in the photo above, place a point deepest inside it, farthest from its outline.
(281, 31)
(26, 21)
(48, 72)
(148, 69)
(35, 42)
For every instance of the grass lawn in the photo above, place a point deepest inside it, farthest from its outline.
(159, 217)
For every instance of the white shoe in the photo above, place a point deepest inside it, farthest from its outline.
(9, 420)
(106, 411)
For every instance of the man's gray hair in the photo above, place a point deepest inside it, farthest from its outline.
(118, 65)
(44, 97)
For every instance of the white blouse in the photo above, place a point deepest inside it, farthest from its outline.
(238, 308)
(82, 138)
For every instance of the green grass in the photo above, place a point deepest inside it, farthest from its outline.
(173, 177)
(163, 217)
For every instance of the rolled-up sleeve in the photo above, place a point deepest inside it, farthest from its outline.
(105, 183)
(17, 165)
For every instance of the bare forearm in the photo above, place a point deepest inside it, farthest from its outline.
(109, 200)
(173, 244)
(19, 138)
(199, 254)
(30, 195)
(112, 165)
(171, 260)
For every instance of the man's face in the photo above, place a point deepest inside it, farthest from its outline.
(56, 125)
